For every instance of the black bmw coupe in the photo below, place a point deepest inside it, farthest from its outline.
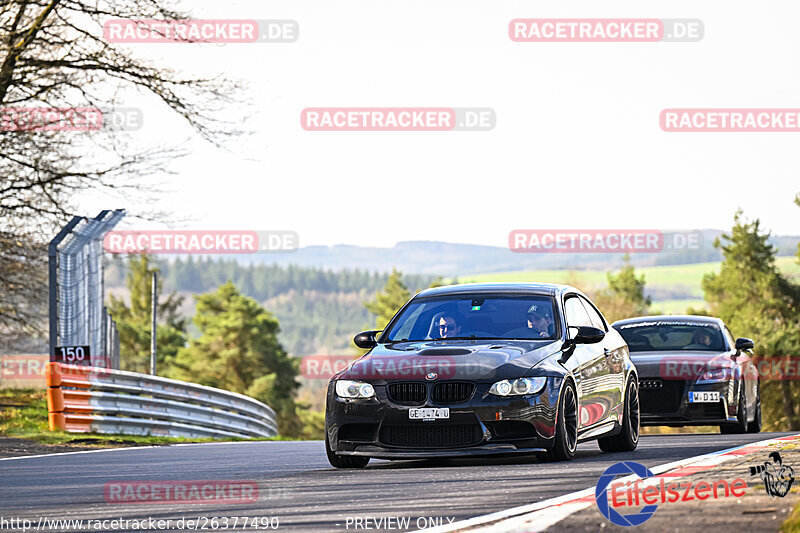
(477, 369)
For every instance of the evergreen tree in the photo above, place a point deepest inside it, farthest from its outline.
(134, 320)
(437, 282)
(755, 300)
(387, 302)
(624, 297)
(238, 350)
(629, 287)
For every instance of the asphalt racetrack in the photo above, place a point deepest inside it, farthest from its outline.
(296, 486)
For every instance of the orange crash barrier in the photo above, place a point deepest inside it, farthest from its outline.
(64, 406)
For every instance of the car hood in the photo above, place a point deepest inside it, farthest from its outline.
(679, 364)
(472, 360)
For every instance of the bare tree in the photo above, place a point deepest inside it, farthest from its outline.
(53, 54)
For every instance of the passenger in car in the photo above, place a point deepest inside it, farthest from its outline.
(540, 320)
(539, 324)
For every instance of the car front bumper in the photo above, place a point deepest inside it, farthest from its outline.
(665, 402)
(483, 425)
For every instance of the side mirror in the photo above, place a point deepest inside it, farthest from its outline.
(588, 335)
(743, 343)
(366, 339)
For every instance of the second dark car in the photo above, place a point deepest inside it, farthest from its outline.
(693, 372)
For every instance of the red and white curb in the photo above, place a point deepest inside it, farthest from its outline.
(541, 515)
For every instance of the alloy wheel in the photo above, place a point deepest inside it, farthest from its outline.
(570, 419)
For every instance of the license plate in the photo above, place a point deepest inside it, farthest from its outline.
(703, 397)
(429, 413)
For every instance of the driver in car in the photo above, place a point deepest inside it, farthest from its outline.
(448, 327)
(701, 338)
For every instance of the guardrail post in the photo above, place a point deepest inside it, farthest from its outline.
(55, 398)
(153, 312)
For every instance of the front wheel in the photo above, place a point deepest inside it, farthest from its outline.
(740, 426)
(627, 439)
(755, 425)
(566, 437)
(344, 461)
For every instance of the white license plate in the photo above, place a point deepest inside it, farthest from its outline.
(429, 413)
(703, 397)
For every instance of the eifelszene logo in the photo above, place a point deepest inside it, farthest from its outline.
(601, 496)
(777, 477)
(647, 493)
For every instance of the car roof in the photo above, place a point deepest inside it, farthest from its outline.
(670, 318)
(549, 289)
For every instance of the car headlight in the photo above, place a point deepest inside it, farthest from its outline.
(354, 389)
(717, 374)
(518, 387)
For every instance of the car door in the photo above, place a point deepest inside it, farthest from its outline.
(746, 376)
(590, 367)
(613, 348)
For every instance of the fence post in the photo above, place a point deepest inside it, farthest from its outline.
(53, 282)
(153, 312)
(75, 266)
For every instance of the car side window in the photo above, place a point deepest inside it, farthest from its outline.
(594, 316)
(730, 337)
(575, 313)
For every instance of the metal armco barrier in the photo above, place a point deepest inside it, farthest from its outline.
(85, 399)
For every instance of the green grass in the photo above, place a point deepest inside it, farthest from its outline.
(792, 523)
(676, 307)
(691, 274)
(23, 415)
(678, 278)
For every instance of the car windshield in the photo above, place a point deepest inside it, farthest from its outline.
(481, 316)
(658, 336)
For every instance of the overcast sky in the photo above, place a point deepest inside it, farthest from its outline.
(577, 142)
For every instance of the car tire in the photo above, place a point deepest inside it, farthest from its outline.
(627, 439)
(755, 425)
(344, 461)
(566, 437)
(740, 426)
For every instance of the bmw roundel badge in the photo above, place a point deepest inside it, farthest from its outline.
(430, 376)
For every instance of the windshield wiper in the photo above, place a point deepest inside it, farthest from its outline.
(470, 338)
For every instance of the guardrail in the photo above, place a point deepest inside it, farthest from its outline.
(84, 399)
